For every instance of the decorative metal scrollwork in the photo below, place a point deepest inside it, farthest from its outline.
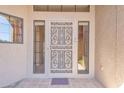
(61, 47)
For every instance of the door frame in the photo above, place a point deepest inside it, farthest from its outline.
(75, 75)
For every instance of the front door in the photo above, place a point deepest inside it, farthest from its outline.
(60, 48)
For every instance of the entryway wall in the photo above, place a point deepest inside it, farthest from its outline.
(13, 57)
(109, 45)
(16, 60)
(74, 16)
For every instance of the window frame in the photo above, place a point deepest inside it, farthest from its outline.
(34, 9)
(22, 27)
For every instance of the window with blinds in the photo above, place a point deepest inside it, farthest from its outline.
(11, 29)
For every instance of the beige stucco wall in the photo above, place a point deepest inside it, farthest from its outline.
(13, 57)
(109, 65)
(120, 46)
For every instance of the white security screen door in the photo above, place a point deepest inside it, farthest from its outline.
(60, 48)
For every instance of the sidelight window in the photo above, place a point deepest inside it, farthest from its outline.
(83, 47)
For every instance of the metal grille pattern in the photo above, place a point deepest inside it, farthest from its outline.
(61, 47)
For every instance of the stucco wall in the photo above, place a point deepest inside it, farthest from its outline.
(109, 65)
(13, 57)
(120, 46)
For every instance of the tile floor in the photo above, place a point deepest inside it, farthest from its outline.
(46, 83)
